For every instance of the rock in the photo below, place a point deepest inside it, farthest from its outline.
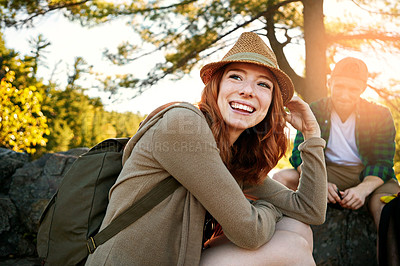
(20, 262)
(13, 236)
(346, 238)
(7, 213)
(10, 161)
(29, 186)
(34, 184)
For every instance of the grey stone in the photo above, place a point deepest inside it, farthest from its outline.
(14, 240)
(34, 184)
(20, 261)
(10, 161)
(346, 238)
(29, 186)
(8, 213)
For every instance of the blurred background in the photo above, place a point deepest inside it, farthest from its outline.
(76, 72)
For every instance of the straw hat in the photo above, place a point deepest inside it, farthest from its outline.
(250, 48)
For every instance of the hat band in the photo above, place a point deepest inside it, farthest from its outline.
(250, 56)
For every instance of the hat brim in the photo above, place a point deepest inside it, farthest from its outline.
(285, 83)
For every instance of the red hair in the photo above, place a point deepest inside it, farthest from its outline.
(259, 148)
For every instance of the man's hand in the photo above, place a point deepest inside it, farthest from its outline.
(354, 198)
(333, 196)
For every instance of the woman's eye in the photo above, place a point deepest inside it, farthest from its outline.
(234, 76)
(265, 85)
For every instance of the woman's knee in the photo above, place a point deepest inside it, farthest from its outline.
(295, 236)
(294, 250)
(299, 228)
(287, 177)
(284, 248)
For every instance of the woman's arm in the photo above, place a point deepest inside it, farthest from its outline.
(308, 203)
(184, 146)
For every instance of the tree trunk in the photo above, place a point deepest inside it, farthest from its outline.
(315, 43)
(277, 48)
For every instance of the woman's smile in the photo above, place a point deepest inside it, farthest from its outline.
(245, 95)
(242, 108)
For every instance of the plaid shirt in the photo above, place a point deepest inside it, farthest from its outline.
(375, 133)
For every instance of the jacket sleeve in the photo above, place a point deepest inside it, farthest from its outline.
(380, 161)
(308, 203)
(184, 146)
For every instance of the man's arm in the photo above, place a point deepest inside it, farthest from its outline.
(354, 198)
(379, 168)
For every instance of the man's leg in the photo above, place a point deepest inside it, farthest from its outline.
(375, 207)
(288, 177)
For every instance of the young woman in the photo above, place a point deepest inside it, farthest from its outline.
(221, 152)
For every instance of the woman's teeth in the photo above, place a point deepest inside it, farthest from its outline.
(242, 107)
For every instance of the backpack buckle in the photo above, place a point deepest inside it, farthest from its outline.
(91, 245)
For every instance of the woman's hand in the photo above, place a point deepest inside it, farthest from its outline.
(302, 118)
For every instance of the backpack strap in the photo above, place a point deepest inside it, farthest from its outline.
(134, 212)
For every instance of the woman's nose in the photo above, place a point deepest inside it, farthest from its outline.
(247, 90)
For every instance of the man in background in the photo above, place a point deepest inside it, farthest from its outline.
(360, 143)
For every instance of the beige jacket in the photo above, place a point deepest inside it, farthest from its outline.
(179, 142)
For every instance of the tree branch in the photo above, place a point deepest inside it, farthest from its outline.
(41, 12)
(270, 11)
(277, 47)
(144, 10)
(386, 95)
(363, 36)
(154, 78)
(374, 12)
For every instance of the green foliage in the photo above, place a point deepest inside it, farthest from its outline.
(284, 163)
(188, 31)
(16, 13)
(22, 123)
(291, 15)
(76, 120)
(38, 118)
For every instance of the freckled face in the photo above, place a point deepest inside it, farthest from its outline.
(245, 95)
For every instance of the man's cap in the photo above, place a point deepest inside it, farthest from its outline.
(250, 48)
(351, 68)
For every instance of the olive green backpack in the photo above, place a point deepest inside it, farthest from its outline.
(69, 225)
